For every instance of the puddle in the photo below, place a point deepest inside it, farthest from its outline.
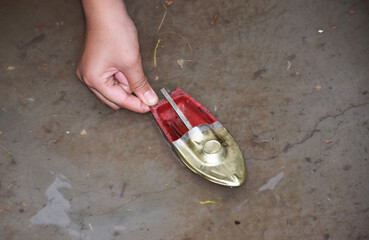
(55, 211)
(57, 207)
(271, 184)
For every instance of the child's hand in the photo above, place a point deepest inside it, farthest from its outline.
(110, 63)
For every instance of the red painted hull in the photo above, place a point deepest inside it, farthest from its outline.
(169, 121)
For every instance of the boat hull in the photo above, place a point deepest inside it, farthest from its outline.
(208, 149)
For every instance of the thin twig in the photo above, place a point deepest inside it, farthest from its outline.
(54, 142)
(163, 18)
(9, 153)
(188, 43)
(156, 48)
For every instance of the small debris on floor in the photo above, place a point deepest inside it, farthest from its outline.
(156, 48)
(328, 141)
(163, 18)
(92, 229)
(10, 68)
(54, 142)
(318, 87)
(67, 132)
(156, 78)
(334, 27)
(320, 31)
(83, 132)
(30, 99)
(207, 202)
(59, 24)
(288, 65)
(237, 222)
(214, 19)
(168, 3)
(181, 62)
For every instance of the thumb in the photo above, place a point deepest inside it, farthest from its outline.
(140, 86)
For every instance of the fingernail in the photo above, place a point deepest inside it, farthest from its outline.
(151, 97)
(146, 108)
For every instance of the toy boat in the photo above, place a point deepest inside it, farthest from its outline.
(200, 140)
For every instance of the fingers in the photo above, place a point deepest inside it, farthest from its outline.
(114, 94)
(104, 100)
(139, 84)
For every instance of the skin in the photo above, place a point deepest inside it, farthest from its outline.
(110, 62)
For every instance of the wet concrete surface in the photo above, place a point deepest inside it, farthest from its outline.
(295, 100)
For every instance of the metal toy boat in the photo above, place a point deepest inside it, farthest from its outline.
(200, 140)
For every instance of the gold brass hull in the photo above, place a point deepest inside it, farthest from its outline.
(211, 152)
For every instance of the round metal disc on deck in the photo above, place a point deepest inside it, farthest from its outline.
(212, 146)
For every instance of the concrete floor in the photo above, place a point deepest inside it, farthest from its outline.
(296, 101)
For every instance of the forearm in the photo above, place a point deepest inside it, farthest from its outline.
(102, 14)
